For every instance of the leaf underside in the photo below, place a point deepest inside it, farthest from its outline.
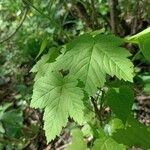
(88, 59)
(61, 98)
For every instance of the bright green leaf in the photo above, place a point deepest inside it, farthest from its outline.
(43, 46)
(39, 65)
(144, 43)
(61, 98)
(78, 142)
(134, 38)
(46, 58)
(45, 63)
(143, 40)
(90, 58)
(107, 143)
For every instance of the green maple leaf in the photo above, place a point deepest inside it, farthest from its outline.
(90, 58)
(61, 98)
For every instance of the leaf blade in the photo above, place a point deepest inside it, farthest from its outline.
(89, 58)
(60, 98)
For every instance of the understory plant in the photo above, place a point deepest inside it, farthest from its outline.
(87, 85)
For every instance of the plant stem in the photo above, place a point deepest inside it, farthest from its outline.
(135, 56)
(8, 140)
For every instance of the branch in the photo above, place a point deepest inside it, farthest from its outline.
(105, 19)
(94, 15)
(135, 19)
(142, 98)
(19, 26)
(97, 111)
(8, 140)
(135, 56)
(113, 15)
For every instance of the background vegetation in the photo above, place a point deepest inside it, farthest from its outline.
(29, 29)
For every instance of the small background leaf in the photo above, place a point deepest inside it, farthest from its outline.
(136, 134)
(120, 102)
(107, 143)
(78, 142)
(147, 88)
(43, 46)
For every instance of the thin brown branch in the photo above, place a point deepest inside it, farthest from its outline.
(94, 15)
(19, 26)
(135, 19)
(113, 15)
(8, 140)
(143, 97)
